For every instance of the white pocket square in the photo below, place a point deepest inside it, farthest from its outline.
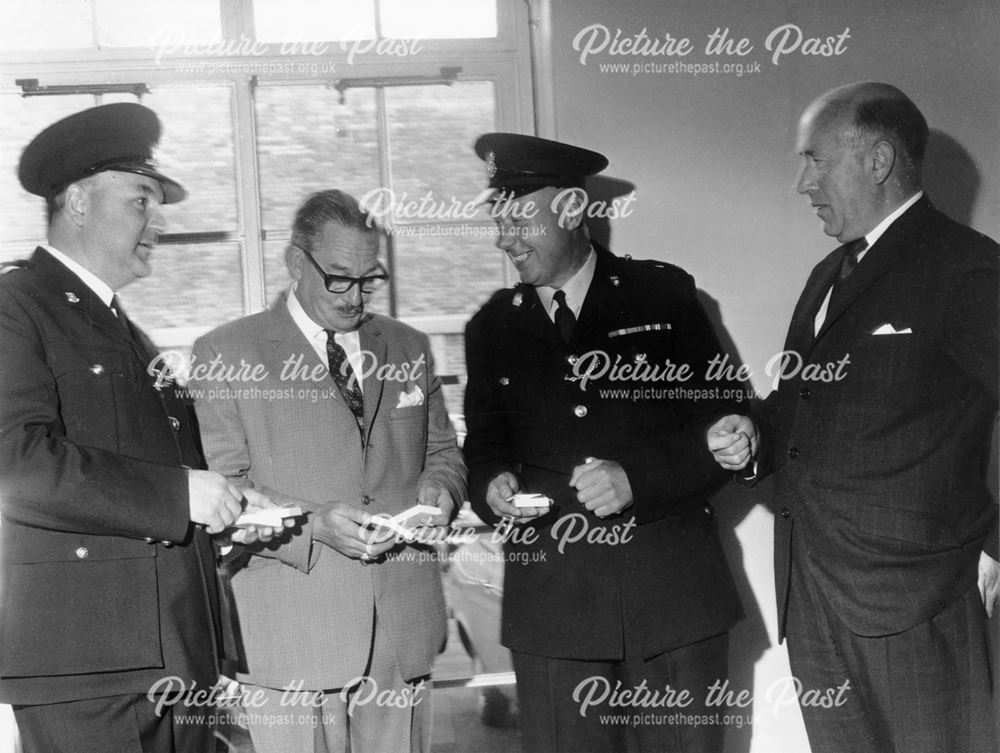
(411, 399)
(888, 329)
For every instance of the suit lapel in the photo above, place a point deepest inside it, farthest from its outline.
(79, 298)
(598, 306)
(373, 342)
(801, 330)
(530, 316)
(882, 256)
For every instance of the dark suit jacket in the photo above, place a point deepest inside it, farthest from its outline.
(882, 477)
(91, 484)
(639, 587)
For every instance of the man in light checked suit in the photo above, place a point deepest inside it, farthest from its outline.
(329, 608)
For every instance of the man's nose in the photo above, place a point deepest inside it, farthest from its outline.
(806, 181)
(353, 294)
(505, 238)
(157, 222)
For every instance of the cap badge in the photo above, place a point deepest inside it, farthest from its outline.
(491, 164)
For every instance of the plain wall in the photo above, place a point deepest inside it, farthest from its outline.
(712, 159)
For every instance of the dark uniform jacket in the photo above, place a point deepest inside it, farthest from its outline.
(654, 577)
(106, 585)
(883, 472)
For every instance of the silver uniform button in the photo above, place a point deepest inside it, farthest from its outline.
(504, 381)
(82, 552)
(174, 423)
(149, 540)
(580, 411)
(167, 544)
(571, 360)
(97, 369)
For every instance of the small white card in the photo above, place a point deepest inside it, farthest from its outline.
(272, 517)
(523, 499)
(384, 527)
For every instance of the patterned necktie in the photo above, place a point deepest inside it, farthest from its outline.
(565, 320)
(343, 375)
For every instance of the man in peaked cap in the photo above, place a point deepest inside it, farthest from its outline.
(621, 583)
(109, 589)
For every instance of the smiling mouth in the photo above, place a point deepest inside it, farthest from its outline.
(518, 259)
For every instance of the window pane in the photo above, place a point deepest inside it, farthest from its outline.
(22, 215)
(307, 142)
(191, 286)
(47, 25)
(197, 149)
(292, 21)
(431, 133)
(439, 19)
(141, 23)
(447, 274)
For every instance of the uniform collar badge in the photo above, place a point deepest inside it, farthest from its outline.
(71, 297)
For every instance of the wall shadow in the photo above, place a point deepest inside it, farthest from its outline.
(605, 191)
(748, 640)
(951, 178)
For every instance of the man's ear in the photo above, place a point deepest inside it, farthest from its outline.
(76, 203)
(293, 260)
(883, 161)
(569, 206)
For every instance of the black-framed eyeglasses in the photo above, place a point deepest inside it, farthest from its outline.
(343, 283)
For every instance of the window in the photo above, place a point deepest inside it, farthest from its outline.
(265, 101)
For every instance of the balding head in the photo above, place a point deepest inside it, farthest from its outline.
(871, 112)
(861, 146)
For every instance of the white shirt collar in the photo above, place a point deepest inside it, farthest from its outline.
(875, 233)
(304, 322)
(101, 289)
(575, 288)
(316, 335)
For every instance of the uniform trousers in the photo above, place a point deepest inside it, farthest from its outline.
(572, 706)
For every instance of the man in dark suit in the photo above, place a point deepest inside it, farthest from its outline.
(879, 432)
(618, 599)
(109, 589)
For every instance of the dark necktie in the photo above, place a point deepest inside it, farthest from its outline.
(565, 320)
(848, 264)
(851, 252)
(343, 375)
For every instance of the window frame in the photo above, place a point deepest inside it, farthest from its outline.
(504, 60)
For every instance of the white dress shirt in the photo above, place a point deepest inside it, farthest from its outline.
(870, 238)
(575, 289)
(101, 289)
(316, 335)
